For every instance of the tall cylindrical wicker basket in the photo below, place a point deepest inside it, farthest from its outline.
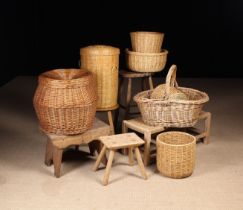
(65, 101)
(175, 154)
(103, 62)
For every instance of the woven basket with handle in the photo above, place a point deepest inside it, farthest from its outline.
(175, 154)
(171, 112)
(65, 101)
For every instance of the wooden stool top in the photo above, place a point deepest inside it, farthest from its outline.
(119, 141)
(137, 124)
(62, 141)
(131, 74)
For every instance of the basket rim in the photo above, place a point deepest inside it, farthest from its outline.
(158, 141)
(93, 50)
(130, 52)
(147, 32)
(46, 77)
(137, 98)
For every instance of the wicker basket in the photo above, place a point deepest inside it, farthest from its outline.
(147, 42)
(146, 62)
(103, 62)
(65, 101)
(171, 112)
(175, 156)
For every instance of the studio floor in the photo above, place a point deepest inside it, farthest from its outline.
(27, 183)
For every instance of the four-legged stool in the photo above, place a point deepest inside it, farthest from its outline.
(138, 125)
(119, 141)
(57, 143)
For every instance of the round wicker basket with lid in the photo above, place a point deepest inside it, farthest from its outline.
(65, 101)
(103, 62)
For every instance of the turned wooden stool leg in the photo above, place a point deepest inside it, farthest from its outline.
(151, 86)
(116, 116)
(108, 167)
(130, 156)
(146, 156)
(128, 99)
(140, 163)
(110, 119)
(57, 160)
(207, 128)
(100, 157)
(49, 153)
(124, 130)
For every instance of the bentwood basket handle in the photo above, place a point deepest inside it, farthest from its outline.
(170, 80)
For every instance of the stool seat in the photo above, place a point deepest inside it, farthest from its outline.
(131, 74)
(119, 141)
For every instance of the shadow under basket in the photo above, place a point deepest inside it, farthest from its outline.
(175, 156)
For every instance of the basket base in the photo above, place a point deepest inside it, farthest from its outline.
(108, 108)
(176, 177)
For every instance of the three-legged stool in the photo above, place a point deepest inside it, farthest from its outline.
(145, 77)
(114, 142)
(138, 125)
(57, 143)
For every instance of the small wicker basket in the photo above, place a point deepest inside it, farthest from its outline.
(171, 112)
(175, 156)
(65, 101)
(146, 42)
(146, 62)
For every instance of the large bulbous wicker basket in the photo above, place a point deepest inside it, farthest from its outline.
(65, 101)
(171, 112)
(175, 155)
(103, 62)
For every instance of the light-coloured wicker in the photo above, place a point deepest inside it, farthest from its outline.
(147, 42)
(103, 62)
(65, 101)
(174, 93)
(146, 62)
(175, 155)
(171, 112)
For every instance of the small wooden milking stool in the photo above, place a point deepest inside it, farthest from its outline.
(57, 143)
(146, 78)
(119, 141)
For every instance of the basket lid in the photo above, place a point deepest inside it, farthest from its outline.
(99, 50)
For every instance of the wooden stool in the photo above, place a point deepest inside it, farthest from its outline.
(132, 75)
(109, 116)
(114, 142)
(138, 125)
(57, 143)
